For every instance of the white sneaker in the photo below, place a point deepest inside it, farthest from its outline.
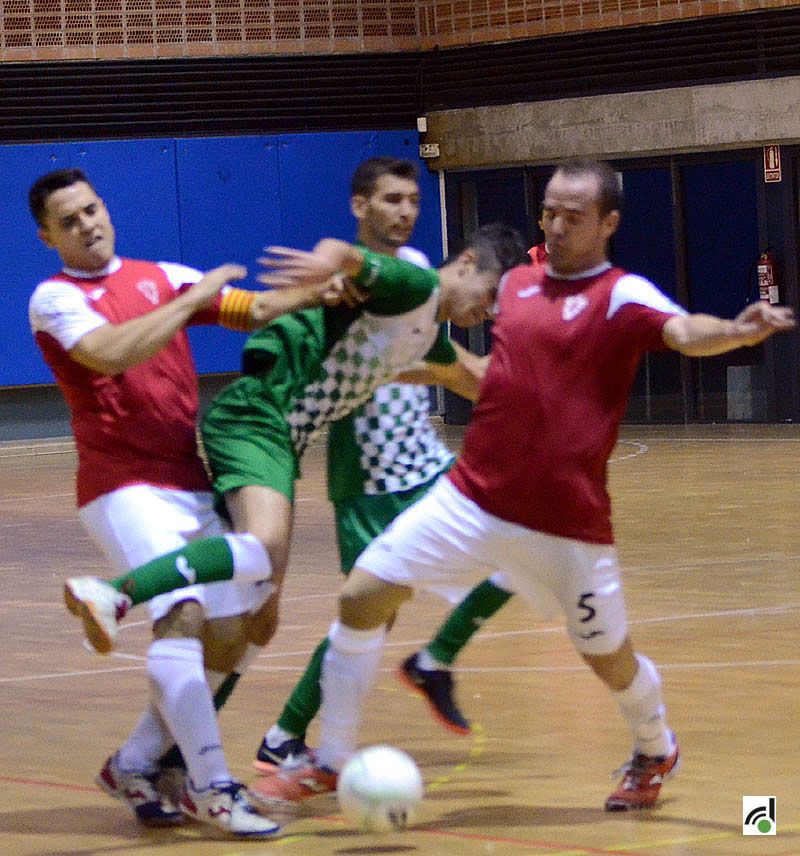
(227, 807)
(137, 791)
(99, 606)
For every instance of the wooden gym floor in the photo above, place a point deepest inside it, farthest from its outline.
(707, 525)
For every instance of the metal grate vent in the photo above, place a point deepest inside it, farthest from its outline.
(706, 50)
(45, 101)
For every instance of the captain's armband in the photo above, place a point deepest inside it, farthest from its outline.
(235, 309)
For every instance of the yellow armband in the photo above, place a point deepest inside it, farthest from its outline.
(234, 309)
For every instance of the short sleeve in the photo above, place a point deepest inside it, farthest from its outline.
(63, 311)
(180, 276)
(638, 312)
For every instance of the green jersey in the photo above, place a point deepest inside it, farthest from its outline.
(314, 366)
(386, 445)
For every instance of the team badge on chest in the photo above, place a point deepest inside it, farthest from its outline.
(573, 306)
(149, 290)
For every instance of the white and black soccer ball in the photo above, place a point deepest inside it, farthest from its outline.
(379, 789)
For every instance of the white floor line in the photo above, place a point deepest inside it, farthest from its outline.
(282, 655)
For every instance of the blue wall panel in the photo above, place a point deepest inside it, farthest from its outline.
(315, 184)
(229, 191)
(25, 260)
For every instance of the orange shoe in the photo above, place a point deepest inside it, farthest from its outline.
(292, 785)
(641, 784)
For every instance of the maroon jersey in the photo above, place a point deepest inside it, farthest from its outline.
(564, 357)
(138, 426)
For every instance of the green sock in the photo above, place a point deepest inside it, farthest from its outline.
(481, 603)
(173, 757)
(208, 560)
(306, 698)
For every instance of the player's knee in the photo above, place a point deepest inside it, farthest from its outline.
(224, 642)
(616, 668)
(263, 625)
(369, 606)
(184, 621)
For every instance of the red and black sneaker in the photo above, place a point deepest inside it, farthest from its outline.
(642, 780)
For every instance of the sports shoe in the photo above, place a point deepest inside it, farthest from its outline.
(137, 790)
(436, 687)
(293, 784)
(228, 808)
(642, 780)
(270, 758)
(99, 606)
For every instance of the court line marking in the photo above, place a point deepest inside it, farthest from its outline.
(478, 744)
(578, 667)
(556, 847)
(728, 613)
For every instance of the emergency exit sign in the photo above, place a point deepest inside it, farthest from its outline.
(772, 163)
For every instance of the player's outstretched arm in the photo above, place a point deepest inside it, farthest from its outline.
(115, 348)
(268, 305)
(702, 335)
(287, 267)
(462, 377)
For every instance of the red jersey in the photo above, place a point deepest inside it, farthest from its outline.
(564, 357)
(138, 426)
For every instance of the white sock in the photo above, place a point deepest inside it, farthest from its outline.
(183, 697)
(277, 735)
(643, 708)
(148, 741)
(251, 561)
(430, 664)
(348, 673)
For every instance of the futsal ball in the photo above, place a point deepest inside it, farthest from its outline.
(379, 789)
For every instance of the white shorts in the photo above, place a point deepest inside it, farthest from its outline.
(137, 523)
(446, 540)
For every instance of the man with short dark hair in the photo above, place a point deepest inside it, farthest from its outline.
(381, 457)
(528, 494)
(113, 332)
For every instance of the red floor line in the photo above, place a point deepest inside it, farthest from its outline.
(442, 833)
(64, 786)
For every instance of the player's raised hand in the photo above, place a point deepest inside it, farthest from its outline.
(759, 320)
(287, 268)
(207, 288)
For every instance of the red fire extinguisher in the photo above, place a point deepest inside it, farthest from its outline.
(767, 273)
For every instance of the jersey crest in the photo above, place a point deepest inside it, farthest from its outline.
(149, 290)
(573, 306)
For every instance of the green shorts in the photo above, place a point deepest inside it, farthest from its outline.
(363, 518)
(248, 442)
